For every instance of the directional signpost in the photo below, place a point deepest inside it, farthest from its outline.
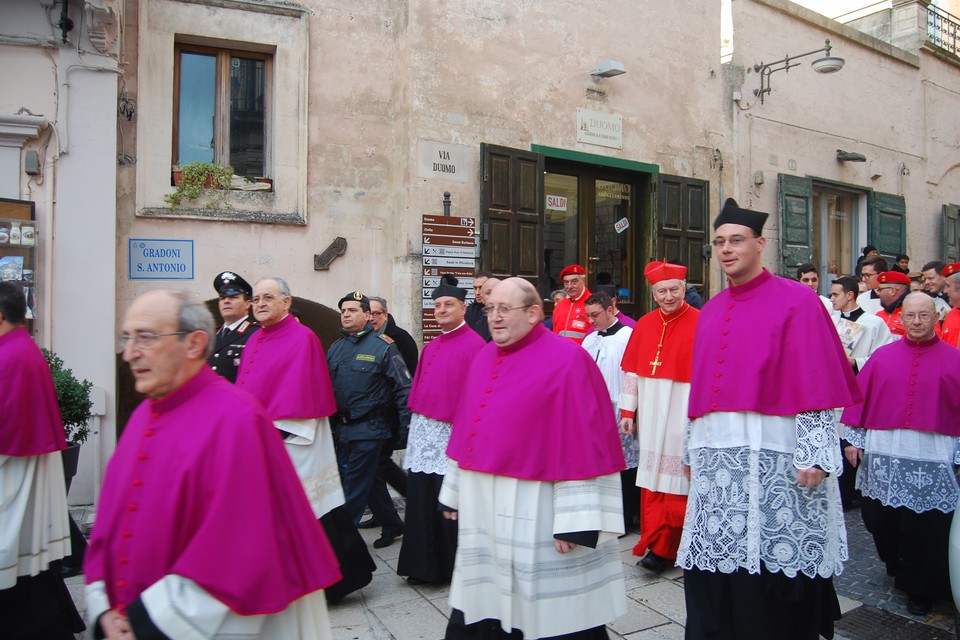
(449, 246)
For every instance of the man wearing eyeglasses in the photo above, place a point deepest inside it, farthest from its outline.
(870, 268)
(198, 483)
(892, 288)
(233, 301)
(906, 438)
(533, 484)
(570, 315)
(284, 367)
(763, 533)
(33, 504)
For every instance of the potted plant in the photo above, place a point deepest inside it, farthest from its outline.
(195, 178)
(73, 398)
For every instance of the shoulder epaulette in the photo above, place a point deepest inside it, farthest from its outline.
(386, 338)
(243, 327)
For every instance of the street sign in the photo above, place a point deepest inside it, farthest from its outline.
(449, 247)
(450, 252)
(448, 262)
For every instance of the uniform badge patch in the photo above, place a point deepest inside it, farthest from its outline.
(366, 357)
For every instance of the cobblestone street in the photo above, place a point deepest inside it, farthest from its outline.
(388, 608)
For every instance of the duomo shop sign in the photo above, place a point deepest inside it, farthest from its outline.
(603, 129)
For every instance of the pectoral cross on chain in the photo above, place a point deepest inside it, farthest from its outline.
(656, 363)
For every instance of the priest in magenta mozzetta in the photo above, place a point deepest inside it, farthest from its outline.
(907, 439)
(430, 540)
(763, 534)
(284, 367)
(534, 484)
(34, 530)
(203, 529)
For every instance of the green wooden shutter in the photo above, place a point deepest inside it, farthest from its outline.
(683, 213)
(950, 233)
(887, 224)
(511, 213)
(796, 223)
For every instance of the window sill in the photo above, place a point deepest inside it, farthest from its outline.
(236, 206)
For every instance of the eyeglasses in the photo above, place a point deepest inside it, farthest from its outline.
(266, 298)
(868, 275)
(733, 241)
(378, 313)
(910, 317)
(501, 310)
(144, 339)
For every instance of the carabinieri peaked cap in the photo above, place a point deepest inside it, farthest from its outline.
(732, 213)
(229, 283)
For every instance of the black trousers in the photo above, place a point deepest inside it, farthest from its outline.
(429, 540)
(491, 630)
(745, 606)
(356, 565)
(39, 607)
(914, 546)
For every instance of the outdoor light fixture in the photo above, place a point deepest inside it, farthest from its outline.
(850, 156)
(608, 69)
(826, 64)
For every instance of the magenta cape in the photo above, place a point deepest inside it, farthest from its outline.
(768, 346)
(201, 486)
(284, 367)
(910, 385)
(438, 382)
(536, 410)
(30, 423)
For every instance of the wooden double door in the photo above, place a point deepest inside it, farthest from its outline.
(539, 214)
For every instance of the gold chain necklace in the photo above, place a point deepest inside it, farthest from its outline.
(656, 359)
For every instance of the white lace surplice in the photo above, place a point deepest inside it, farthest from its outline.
(907, 468)
(427, 445)
(507, 568)
(745, 505)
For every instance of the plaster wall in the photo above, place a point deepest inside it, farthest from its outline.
(384, 75)
(881, 104)
(73, 86)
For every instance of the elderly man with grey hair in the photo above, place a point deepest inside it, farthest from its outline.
(285, 368)
(198, 481)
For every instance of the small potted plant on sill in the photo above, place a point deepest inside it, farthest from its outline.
(73, 398)
(195, 178)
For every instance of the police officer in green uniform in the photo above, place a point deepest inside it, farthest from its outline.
(234, 303)
(371, 384)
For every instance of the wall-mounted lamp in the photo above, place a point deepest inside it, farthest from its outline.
(608, 69)
(850, 156)
(827, 64)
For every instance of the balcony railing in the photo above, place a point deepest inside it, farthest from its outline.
(943, 29)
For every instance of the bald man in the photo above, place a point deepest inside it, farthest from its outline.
(537, 551)
(905, 439)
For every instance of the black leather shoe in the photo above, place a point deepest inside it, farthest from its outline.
(386, 539)
(369, 523)
(69, 572)
(919, 606)
(416, 582)
(653, 562)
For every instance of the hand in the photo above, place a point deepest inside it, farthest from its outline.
(562, 546)
(811, 477)
(853, 455)
(628, 426)
(450, 515)
(116, 626)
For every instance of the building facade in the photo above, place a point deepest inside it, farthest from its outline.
(346, 123)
